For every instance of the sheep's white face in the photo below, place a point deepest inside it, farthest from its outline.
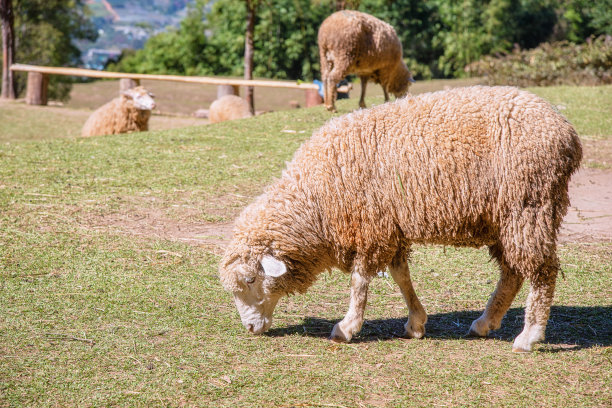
(143, 99)
(252, 295)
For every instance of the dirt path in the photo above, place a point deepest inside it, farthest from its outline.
(589, 218)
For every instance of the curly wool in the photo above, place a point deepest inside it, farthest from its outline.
(120, 115)
(228, 107)
(468, 167)
(352, 42)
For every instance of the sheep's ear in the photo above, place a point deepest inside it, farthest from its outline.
(128, 93)
(273, 267)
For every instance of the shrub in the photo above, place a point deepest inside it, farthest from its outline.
(560, 63)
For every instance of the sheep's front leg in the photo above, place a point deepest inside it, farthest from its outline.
(417, 317)
(510, 282)
(345, 329)
(330, 93)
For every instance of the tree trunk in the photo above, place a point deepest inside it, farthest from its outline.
(248, 52)
(8, 48)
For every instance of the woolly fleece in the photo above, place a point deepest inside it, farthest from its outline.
(477, 166)
(352, 42)
(228, 107)
(121, 115)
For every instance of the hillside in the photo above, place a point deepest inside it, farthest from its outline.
(125, 24)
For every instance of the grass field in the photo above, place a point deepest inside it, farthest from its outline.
(92, 316)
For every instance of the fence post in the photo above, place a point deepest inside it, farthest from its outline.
(128, 83)
(313, 98)
(223, 90)
(38, 85)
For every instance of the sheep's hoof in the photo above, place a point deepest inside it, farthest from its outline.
(520, 350)
(337, 339)
(478, 328)
(338, 335)
(414, 333)
(473, 333)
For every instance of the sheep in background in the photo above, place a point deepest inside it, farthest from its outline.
(228, 107)
(129, 112)
(352, 42)
(477, 166)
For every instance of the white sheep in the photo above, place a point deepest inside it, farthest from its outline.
(477, 166)
(352, 42)
(129, 112)
(228, 107)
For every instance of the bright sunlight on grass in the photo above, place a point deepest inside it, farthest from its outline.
(92, 316)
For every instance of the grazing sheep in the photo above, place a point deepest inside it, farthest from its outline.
(129, 112)
(477, 166)
(228, 107)
(352, 42)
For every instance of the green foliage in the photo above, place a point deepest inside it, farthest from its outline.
(560, 63)
(470, 29)
(44, 35)
(285, 41)
(584, 18)
(439, 37)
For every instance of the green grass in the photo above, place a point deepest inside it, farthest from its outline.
(589, 109)
(90, 317)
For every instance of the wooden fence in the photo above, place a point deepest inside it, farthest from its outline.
(38, 81)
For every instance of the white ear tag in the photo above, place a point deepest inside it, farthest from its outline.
(273, 267)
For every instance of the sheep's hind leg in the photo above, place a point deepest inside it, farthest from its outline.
(386, 93)
(351, 324)
(417, 317)
(537, 309)
(364, 83)
(509, 284)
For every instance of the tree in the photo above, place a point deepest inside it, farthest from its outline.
(8, 48)
(45, 32)
(585, 18)
(251, 6)
(439, 37)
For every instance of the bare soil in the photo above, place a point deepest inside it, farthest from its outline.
(589, 218)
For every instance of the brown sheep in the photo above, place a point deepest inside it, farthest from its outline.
(352, 42)
(477, 166)
(128, 113)
(228, 107)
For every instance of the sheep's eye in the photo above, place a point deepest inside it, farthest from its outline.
(249, 280)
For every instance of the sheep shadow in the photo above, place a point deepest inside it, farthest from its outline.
(578, 326)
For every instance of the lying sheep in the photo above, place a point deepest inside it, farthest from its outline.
(351, 42)
(477, 166)
(228, 107)
(129, 112)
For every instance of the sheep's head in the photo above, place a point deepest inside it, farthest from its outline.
(253, 281)
(401, 81)
(140, 97)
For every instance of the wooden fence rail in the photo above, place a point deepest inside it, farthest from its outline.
(38, 81)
